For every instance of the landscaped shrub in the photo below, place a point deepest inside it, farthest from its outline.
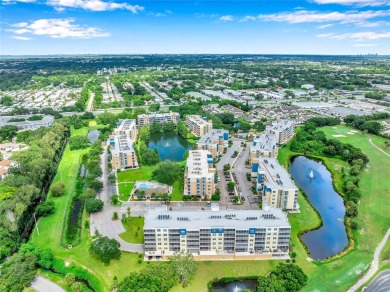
(93, 205)
(57, 189)
(45, 208)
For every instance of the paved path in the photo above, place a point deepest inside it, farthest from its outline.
(374, 265)
(42, 284)
(90, 102)
(378, 147)
(381, 283)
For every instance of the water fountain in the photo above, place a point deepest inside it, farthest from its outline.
(311, 174)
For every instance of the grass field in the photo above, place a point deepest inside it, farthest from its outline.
(381, 144)
(134, 230)
(337, 275)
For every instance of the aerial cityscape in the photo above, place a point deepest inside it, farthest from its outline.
(194, 146)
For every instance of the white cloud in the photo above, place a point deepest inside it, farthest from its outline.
(359, 36)
(365, 45)
(226, 18)
(94, 5)
(324, 26)
(359, 3)
(248, 18)
(58, 28)
(305, 16)
(21, 38)
(15, 1)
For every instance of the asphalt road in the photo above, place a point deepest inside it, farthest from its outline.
(42, 284)
(381, 283)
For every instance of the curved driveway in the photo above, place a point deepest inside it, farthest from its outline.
(381, 283)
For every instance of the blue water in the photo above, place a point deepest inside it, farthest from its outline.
(236, 286)
(331, 238)
(170, 146)
(144, 186)
(93, 135)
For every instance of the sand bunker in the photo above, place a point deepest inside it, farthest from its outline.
(338, 136)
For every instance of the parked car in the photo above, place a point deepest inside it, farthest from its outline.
(243, 199)
(219, 179)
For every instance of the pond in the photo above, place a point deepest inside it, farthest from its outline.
(170, 146)
(235, 286)
(93, 135)
(316, 181)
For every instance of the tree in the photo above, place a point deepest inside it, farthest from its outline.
(78, 142)
(144, 134)
(77, 287)
(185, 267)
(45, 208)
(18, 272)
(96, 185)
(70, 279)
(155, 127)
(57, 189)
(6, 100)
(8, 132)
(168, 276)
(259, 126)
(230, 185)
(167, 172)
(139, 282)
(154, 107)
(182, 129)
(93, 205)
(88, 194)
(105, 249)
(352, 210)
(226, 167)
(168, 127)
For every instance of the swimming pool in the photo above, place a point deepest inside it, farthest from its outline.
(144, 186)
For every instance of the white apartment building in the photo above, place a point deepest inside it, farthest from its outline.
(198, 125)
(274, 184)
(128, 128)
(215, 141)
(263, 146)
(199, 176)
(148, 119)
(283, 131)
(216, 234)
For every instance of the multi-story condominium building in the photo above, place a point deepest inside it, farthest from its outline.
(122, 152)
(215, 141)
(128, 128)
(263, 146)
(274, 184)
(283, 131)
(198, 126)
(148, 119)
(217, 235)
(199, 176)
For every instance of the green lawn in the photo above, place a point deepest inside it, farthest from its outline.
(381, 144)
(127, 178)
(134, 230)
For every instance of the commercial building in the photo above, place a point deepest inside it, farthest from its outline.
(199, 176)
(216, 234)
(215, 141)
(198, 126)
(4, 167)
(263, 146)
(23, 122)
(274, 184)
(128, 128)
(148, 119)
(122, 152)
(283, 131)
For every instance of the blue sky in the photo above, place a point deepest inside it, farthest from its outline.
(33, 27)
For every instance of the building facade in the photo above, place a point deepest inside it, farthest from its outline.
(128, 128)
(283, 131)
(148, 119)
(274, 184)
(217, 235)
(122, 152)
(199, 175)
(25, 123)
(263, 146)
(215, 142)
(198, 126)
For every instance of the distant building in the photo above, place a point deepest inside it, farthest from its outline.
(4, 167)
(46, 121)
(215, 141)
(307, 86)
(128, 128)
(148, 119)
(122, 152)
(283, 131)
(199, 176)
(275, 185)
(7, 149)
(217, 235)
(263, 146)
(198, 126)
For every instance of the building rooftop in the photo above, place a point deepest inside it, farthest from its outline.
(277, 176)
(239, 219)
(264, 142)
(5, 120)
(123, 143)
(198, 119)
(198, 162)
(126, 125)
(212, 137)
(279, 126)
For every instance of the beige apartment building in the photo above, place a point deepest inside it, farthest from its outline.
(128, 128)
(215, 142)
(198, 126)
(148, 119)
(122, 152)
(199, 176)
(283, 131)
